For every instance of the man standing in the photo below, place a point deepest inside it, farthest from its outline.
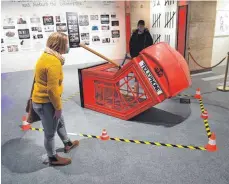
(140, 39)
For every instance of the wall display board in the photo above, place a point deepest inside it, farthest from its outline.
(85, 35)
(61, 24)
(163, 21)
(73, 29)
(9, 40)
(37, 34)
(48, 22)
(222, 23)
(100, 24)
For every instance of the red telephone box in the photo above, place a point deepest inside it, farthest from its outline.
(158, 73)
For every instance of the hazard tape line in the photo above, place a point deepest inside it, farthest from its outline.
(207, 127)
(70, 97)
(191, 147)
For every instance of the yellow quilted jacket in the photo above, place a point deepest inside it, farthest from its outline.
(48, 85)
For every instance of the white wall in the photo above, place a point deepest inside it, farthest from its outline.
(25, 60)
(140, 10)
(166, 9)
(220, 43)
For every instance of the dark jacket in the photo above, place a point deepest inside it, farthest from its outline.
(138, 42)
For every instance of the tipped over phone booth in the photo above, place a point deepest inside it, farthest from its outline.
(157, 74)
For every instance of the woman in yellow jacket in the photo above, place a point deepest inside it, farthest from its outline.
(47, 93)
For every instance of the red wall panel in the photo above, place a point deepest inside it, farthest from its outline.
(182, 26)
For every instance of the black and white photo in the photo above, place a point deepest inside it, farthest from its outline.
(83, 20)
(115, 33)
(61, 27)
(12, 48)
(49, 28)
(35, 20)
(21, 20)
(36, 29)
(73, 29)
(106, 40)
(84, 36)
(23, 34)
(58, 19)
(115, 23)
(94, 17)
(113, 16)
(10, 33)
(95, 39)
(105, 19)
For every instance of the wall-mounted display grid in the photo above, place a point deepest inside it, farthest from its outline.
(43, 16)
(31, 32)
(163, 21)
(73, 29)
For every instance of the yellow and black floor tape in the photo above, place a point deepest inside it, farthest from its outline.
(191, 147)
(207, 127)
(70, 97)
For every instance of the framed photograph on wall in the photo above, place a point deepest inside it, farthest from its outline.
(61, 27)
(94, 17)
(115, 23)
(48, 20)
(106, 40)
(105, 19)
(35, 20)
(115, 33)
(21, 20)
(23, 34)
(105, 28)
(83, 20)
(12, 48)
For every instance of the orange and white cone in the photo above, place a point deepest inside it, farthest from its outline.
(211, 146)
(197, 95)
(204, 114)
(104, 135)
(25, 125)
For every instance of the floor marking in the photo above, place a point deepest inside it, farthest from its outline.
(191, 147)
(70, 97)
(213, 77)
(204, 73)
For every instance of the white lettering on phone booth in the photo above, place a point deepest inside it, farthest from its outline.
(150, 77)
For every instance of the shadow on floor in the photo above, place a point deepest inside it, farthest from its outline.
(159, 117)
(22, 156)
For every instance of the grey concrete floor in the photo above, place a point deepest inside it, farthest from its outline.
(97, 162)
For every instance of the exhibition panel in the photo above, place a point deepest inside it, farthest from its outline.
(99, 24)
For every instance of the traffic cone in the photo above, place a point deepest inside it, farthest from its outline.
(104, 135)
(204, 114)
(197, 95)
(25, 125)
(211, 146)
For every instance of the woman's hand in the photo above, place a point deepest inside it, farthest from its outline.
(57, 114)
